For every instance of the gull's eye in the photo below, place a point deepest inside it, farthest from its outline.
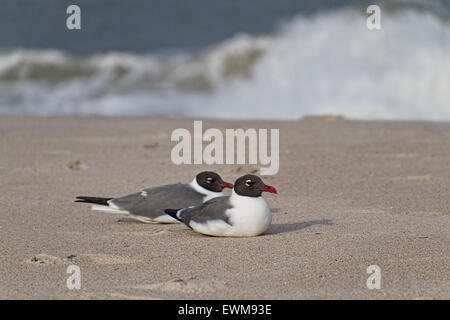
(248, 183)
(209, 180)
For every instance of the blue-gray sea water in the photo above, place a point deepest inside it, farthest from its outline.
(228, 59)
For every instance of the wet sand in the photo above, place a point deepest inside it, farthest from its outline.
(351, 194)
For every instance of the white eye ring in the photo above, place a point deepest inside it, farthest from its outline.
(209, 180)
(248, 183)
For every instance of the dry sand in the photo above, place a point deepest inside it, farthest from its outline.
(351, 194)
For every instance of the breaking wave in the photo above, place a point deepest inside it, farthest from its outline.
(329, 63)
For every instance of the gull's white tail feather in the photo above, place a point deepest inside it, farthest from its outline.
(98, 207)
(109, 209)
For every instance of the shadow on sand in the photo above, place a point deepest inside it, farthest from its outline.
(289, 227)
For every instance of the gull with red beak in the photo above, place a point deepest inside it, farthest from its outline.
(149, 204)
(243, 214)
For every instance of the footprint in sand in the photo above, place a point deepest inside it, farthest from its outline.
(151, 145)
(76, 165)
(46, 259)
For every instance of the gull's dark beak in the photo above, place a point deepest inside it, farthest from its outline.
(226, 185)
(269, 189)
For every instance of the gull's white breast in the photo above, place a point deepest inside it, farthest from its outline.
(249, 216)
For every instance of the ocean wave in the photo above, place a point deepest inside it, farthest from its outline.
(329, 63)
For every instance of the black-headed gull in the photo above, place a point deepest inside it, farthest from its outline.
(243, 214)
(149, 204)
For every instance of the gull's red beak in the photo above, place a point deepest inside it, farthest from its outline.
(226, 185)
(269, 189)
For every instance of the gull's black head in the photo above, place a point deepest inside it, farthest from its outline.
(251, 186)
(212, 181)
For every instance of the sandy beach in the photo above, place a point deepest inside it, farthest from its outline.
(351, 194)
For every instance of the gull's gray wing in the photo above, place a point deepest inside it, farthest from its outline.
(214, 209)
(152, 202)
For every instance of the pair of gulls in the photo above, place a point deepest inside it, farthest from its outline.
(200, 204)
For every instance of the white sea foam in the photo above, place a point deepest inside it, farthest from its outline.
(326, 64)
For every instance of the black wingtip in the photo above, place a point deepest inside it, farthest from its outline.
(173, 213)
(95, 200)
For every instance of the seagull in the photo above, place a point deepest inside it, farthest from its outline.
(243, 214)
(149, 204)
